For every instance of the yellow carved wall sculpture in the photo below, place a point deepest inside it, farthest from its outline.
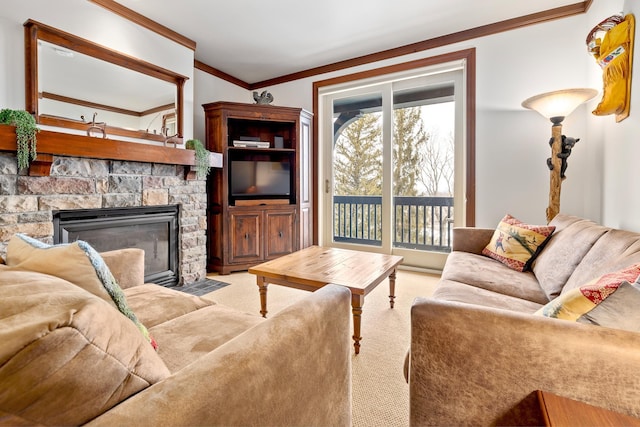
(611, 43)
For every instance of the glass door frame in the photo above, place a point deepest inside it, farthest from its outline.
(384, 84)
(433, 260)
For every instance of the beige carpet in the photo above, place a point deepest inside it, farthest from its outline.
(380, 393)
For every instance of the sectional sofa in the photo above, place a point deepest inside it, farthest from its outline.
(73, 351)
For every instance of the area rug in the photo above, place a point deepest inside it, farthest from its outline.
(201, 287)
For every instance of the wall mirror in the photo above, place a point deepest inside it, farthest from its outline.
(76, 84)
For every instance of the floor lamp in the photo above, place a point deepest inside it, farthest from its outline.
(555, 106)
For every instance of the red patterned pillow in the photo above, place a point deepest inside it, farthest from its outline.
(516, 244)
(611, 300)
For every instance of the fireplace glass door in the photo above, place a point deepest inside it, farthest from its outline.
(153, 229)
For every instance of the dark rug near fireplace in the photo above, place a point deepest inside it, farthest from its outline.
(201, 287)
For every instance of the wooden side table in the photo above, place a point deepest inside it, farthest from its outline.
(559, 411)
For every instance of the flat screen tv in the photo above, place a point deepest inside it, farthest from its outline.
(260, 179)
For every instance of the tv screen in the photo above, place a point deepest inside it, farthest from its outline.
(260, 178)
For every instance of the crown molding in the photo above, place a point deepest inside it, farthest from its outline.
(145, 22)
(220, 74)
(460, 36)
(473, 33)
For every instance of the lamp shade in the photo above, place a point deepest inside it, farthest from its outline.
(560, 103)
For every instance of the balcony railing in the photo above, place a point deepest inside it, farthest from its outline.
(422, 223)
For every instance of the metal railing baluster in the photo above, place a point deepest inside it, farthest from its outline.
(420, 221)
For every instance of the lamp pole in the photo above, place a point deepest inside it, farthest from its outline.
(556, 106)
(555, 182)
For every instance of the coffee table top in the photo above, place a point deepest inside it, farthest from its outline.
(316, 266)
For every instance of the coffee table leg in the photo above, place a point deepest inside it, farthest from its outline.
(262, 287)
(357, 301)
(392, 288)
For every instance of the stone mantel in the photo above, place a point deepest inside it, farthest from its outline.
(52, 143)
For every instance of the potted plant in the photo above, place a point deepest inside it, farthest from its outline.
(202, 157)
(26, 131)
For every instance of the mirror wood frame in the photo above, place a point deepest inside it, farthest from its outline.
(34, 31)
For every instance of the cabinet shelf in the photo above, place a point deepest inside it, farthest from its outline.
(262, 150)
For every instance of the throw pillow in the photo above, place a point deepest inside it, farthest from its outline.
(516, 244)
(611, 300)
(66, 355)
(76, 262)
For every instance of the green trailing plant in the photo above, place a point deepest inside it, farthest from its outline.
(202, 157)
(26, 131)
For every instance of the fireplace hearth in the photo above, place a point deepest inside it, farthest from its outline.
(151, 228)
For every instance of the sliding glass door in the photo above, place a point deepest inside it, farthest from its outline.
(393, 166)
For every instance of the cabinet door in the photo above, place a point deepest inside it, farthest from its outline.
(280, 238)
(245, 240)
(305, 178)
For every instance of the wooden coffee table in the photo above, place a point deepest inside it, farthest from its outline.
(311, 268)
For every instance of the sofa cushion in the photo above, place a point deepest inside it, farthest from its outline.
(487, 273)
(609, 301)
(188, 337)
(516, 244)
(572, 239)
(77, 263)
(154, 304)
(66, 355)
(613, 251)
(126, 265)
(449, 290)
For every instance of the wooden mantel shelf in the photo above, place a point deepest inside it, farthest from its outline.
(52, 143)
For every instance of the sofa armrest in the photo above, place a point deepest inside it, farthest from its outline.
(292, 369)
(473, 365)
(471, 239)
(126, 265)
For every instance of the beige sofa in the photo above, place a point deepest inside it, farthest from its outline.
(67, 357)
(478, 353)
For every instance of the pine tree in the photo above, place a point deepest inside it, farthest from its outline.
(358, 157)
(409, 142)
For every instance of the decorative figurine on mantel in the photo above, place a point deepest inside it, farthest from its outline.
(95, 127)
(264, 98)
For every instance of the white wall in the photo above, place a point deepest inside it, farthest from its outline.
(211, 89)
(512, 142)
(621, 153)
(90, 21)
(11, 65)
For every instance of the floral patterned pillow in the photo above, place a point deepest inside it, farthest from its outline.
(612, 300)
(516, 244)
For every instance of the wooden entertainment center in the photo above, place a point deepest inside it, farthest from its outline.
(259, 202)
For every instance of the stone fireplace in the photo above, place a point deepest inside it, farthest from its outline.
(28, 203)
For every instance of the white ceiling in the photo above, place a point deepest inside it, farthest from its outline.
(256, 40)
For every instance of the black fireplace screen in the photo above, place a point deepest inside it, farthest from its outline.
(152, 228)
